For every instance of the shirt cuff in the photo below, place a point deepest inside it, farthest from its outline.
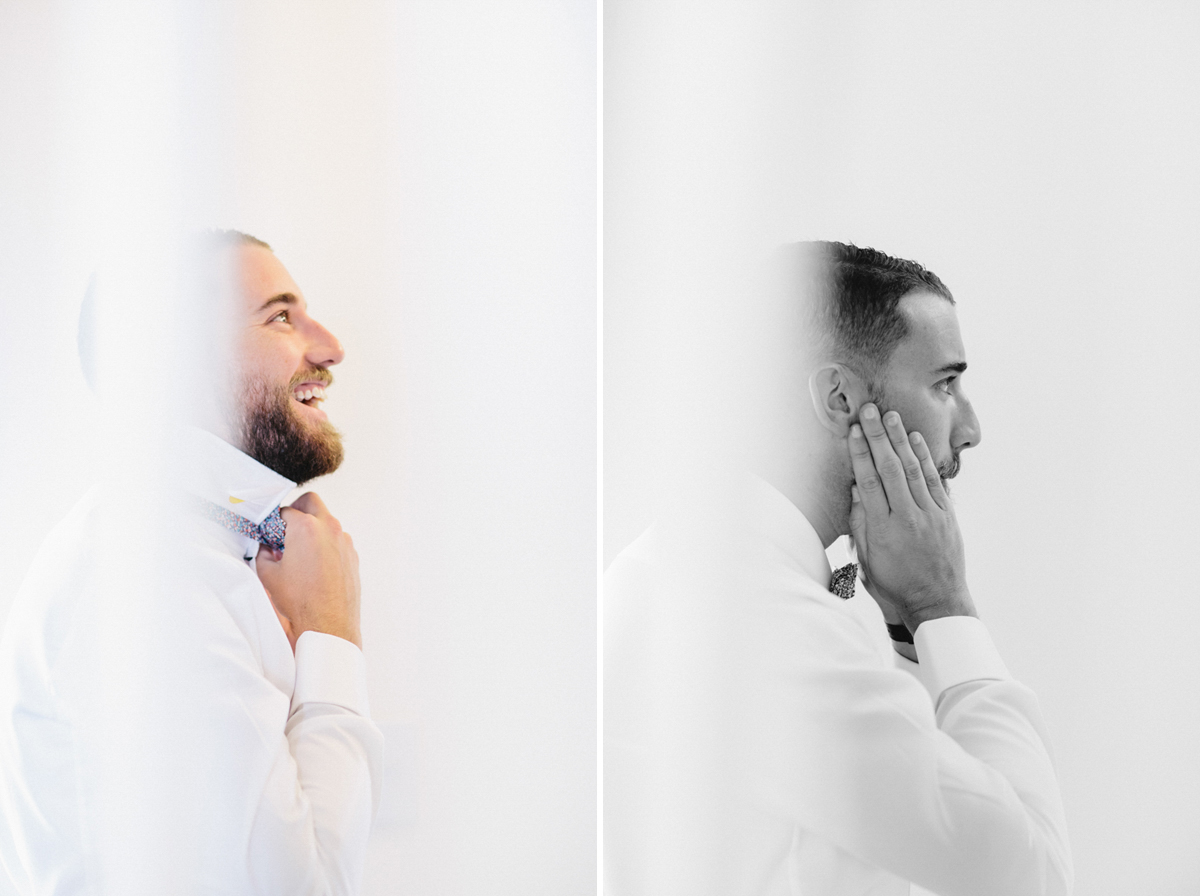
(330, 669)
(954, 649)
(916, 670)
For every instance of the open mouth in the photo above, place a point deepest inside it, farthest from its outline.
(310, 394)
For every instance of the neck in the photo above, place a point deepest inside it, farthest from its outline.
(827, 521)
(818, 486)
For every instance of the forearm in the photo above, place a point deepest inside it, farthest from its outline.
(237, 789)
(338, 767)
(996, 721)
(999, 723)
(337, 752)
(961, 802)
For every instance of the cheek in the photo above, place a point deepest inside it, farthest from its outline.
(264, 360)
(935, 429)
(930, 418)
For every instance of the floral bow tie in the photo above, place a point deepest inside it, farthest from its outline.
(842, 583)
(270, 531)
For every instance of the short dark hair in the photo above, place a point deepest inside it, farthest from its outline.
(216, 238)
(203, 243)
(858, 293)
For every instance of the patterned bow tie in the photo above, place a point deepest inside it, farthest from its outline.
(842, 583)
(270, 531)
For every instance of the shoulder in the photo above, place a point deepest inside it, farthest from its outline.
(715, 586)
(44, 609)
(113, 559)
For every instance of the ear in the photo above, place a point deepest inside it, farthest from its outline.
(837, 395)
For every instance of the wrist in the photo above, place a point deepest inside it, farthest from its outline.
(958, 603)
(344, 631)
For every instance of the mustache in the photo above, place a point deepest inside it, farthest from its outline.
(950, 468)
(313, 375)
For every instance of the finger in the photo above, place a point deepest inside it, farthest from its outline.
(267, 555)
(913, 474)
(929, 471)
(298, 518)
(311, 503)
(858, 517)
(887, 464)
(869, 486)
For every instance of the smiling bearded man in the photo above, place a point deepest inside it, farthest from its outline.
(182, 694)
(280, 424)
(272, 433)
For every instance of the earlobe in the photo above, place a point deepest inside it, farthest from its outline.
(834, 398)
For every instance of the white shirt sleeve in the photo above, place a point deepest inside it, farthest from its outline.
(158, 736)
(956, 649)
(963, 801)
(741, 715)
(315, 830)
(204, 775)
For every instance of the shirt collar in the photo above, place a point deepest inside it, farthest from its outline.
(210, 468)
(756, 506)
(778, 519)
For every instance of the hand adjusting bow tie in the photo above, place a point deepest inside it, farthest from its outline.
(270, 531)
(842, 584)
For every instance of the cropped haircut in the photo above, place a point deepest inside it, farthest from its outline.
(857, 303)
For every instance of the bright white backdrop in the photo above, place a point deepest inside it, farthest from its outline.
(1041, 158)
(427, 173)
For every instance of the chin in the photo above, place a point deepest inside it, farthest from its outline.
(298, 443)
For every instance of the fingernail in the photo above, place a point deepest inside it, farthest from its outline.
(892, 418)
(914, 437)
(856, 431)
(869, 412)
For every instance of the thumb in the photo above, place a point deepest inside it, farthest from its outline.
(267, 557)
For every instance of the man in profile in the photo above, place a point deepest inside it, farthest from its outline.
(757, 740)
(182, 687)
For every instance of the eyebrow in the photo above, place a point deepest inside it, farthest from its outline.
(956, 367)
(284, 298)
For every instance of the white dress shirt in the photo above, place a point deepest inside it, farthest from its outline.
(157, 735)
(756, 741)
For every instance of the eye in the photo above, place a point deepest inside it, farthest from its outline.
(283, 316)
(946, 384)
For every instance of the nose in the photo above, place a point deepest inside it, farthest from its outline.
(324, 350)
(967, 433)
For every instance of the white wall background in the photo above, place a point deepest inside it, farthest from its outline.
(427, 173)
(1041, 158)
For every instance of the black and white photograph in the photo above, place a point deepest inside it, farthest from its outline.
(917, 277)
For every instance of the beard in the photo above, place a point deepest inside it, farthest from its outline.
(272, 432)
